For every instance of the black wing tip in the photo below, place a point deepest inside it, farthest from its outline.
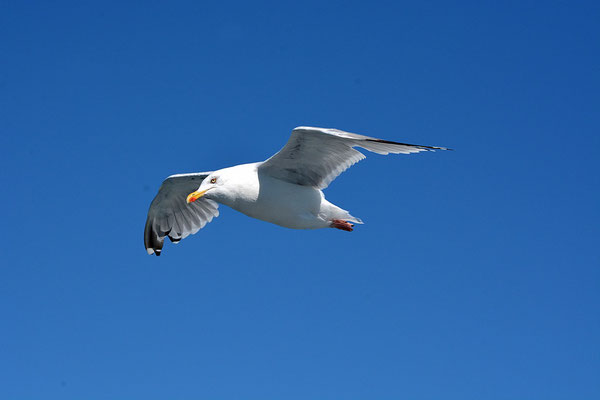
(152, 241)
(151, 250)
(419, 146)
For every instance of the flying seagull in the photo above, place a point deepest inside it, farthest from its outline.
(285, 190)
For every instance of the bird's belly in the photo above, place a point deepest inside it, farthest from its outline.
(285, 204)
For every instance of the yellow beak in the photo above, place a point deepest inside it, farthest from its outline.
(195, 195)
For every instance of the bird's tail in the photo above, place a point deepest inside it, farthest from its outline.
(352, 219)
(339, 213)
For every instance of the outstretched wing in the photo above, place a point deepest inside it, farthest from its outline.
(316, 156)
(170, 215)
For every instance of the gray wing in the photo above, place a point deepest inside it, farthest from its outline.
(316, 156)
(170, 214)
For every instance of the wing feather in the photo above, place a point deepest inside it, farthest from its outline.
(170, 215)
(316, 156)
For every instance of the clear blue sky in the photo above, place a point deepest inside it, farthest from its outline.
(476, 275)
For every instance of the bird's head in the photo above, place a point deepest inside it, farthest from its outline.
(210, 187)
(227, 184)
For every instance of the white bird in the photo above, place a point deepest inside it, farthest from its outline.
(285, 190)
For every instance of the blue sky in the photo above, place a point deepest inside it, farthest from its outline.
(476, 275)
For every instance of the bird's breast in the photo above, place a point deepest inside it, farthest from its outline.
(281, 203)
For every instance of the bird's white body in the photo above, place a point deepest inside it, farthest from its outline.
(263, 197)
(284, 190)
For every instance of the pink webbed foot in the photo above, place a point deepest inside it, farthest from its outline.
(341, 224)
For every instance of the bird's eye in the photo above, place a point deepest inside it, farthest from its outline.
(213, 180)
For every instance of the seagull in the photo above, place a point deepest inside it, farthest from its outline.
(285, 190)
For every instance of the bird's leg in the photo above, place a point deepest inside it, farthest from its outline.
(341, 224)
